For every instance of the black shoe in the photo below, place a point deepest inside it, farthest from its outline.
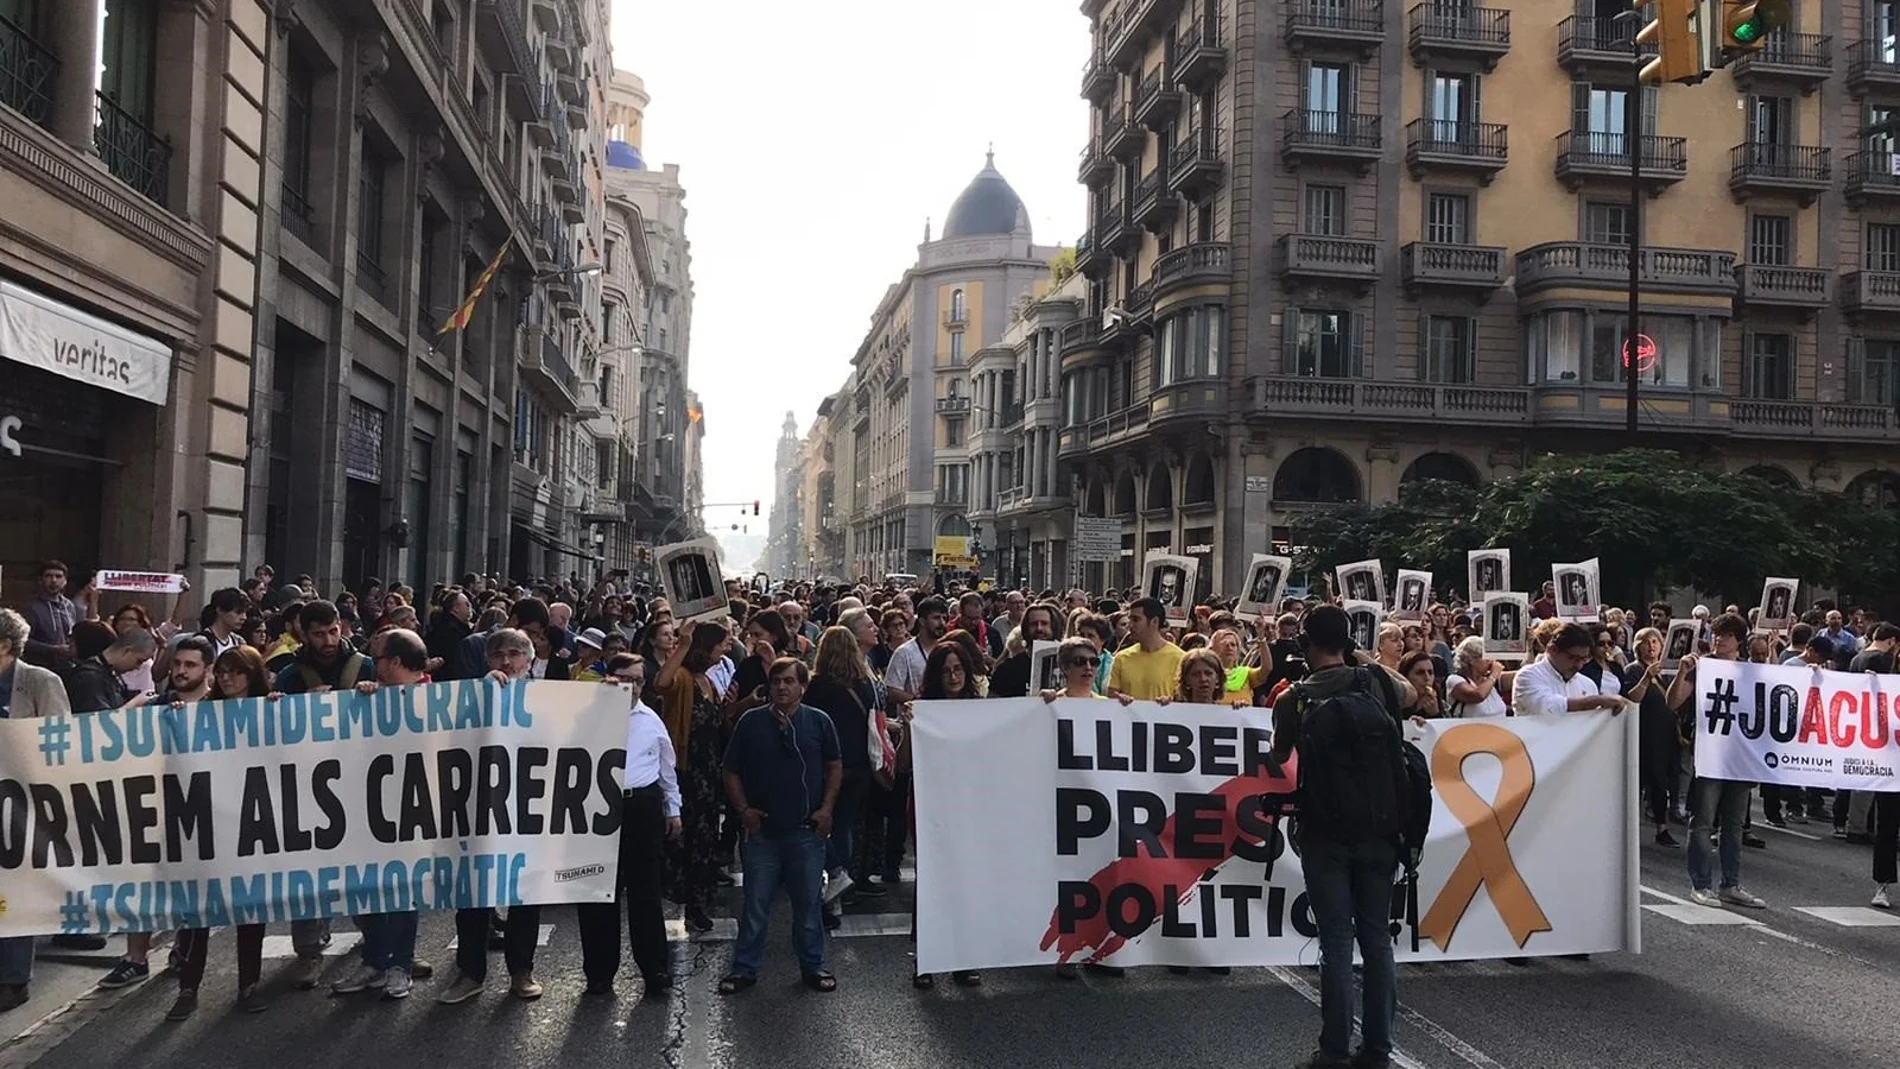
(1113, 972)
(80, 942)
(1777, 822)
(250, 1001)
(12, 996)
(870, 887)
(1749, 838)
(126, 973)
(1179, 970)
(833, 921)
(1576, 957)
(967, 978)
(658, 982)
(724, 879)
(1518, 963)
(697, 920)
(1663, 838)
(1219, 970)
(599, 987)
(893, 875)
(1362, 1060)
(183, 1006)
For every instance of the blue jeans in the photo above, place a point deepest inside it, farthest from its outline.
(1350, 889)
(389, 939)
(845, 813)
(794, 860)
(1712, 802)
(16, 961)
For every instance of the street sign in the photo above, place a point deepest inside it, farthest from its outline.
(1097, 540)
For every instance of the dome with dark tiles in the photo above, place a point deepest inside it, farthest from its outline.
(988, 206)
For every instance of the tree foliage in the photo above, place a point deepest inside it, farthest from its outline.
(1653, 518)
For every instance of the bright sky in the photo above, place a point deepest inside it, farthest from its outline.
(814, 140)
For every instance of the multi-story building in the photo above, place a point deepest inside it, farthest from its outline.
(405, 151)
(821, 550)
(666, 478)
(909, 405)
(1022, 502)
(1358, 243)
(131, 136)
(626, 288)
(785, 535)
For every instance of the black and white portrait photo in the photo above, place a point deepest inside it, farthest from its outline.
(1415, 595)
(1266, 578)
(1170, 580)
(1576, 588)
(1365, 618)
(1506, 619)
(1680, 641)
(1362, 581)
(689, 572)
(1777, 604)
(1043, 668)
(1488, 571)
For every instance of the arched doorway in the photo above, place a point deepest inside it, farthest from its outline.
(955, 525)
(1095, 499)
(1125, 494)
(1880, 489)
(1447, 467)
(1773, 474)
(1316, 475)
(1160, 489)
(1200, 481)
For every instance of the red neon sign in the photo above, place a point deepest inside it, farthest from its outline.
(1646, 354)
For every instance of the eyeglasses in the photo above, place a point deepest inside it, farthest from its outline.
(1085, 662)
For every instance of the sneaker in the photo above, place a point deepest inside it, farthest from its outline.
(1067, 971)
(1883, 896)
(250, 1000)
(1778, 822)
(305, 973)
(1702, 896)
(525, 987)
(363, 979)
(183, 1006)
(1749, 838)
(1663, 838)
(1113, 972)
(836, 884)
(872, 887)
(1735, 896)
(397, 983)
(460, 991)
(893, 875)
(126, 973)
(1840, 831)
(421, 970)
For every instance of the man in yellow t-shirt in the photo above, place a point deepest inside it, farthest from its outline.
(1148, 669)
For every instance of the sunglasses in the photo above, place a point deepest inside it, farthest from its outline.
(1085, 662)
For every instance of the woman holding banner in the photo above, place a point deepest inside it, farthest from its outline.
(948, 676)
(237, 673)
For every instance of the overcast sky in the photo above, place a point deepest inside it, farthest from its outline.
(814, 140)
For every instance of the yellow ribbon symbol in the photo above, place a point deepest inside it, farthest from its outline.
(1488, 826)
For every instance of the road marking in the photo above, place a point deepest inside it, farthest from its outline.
(1690, 913)
(1764, 929)
(1790, 831)
(855, 926)
(1469, 1054)
(541, 938)
(284, 946)
(1852, 916)
(909, 876)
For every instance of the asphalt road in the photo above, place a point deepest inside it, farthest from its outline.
(1782, 988)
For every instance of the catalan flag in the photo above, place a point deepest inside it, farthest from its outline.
(459, 321)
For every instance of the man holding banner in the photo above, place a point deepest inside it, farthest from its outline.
(1719, 806)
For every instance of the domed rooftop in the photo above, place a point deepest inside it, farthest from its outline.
(986, 207)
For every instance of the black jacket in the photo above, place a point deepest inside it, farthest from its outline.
(850, 715)
(92, 685)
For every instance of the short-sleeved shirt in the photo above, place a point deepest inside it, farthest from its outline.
(1144, 675)
(906, 670)
(781, 763)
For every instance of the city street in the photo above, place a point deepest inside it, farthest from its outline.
(1806, 982)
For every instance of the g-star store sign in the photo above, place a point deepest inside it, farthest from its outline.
(44, 333)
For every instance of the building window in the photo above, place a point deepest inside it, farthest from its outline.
(1883, 246)
(952, 433)
(1768, 240)
(1871, 367)
(1187, 345)
(128, 53)
(300, 88)
(1324, 211)
(363, 442)
(1768, 372)
(1597, 118)
(1448, 219)
(959, 312)
(1672, 337)
(370, 195)
(1323, 343)
(1328, 98)
(956, 348)
(1454, 108)
(1686, 349)
(1450, 350)
(1606, 222)
(1770, 122)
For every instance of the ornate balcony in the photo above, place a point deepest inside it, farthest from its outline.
(1199, 58)
(1156, 206)
(1194, 167)
(1771, 167)
(1588, 45)
(1769, 286)
(1096, 167)
(1157, 101)
(1479, 148)
(1121, 138)
(1586, 155)
(1796, 419)
(1864, 292)
(1277, 396)
(1801, 60)
(1098, 81)
(545, 365)
(1197, 264)
(1193, 403)
(1872, 65)
(1354, 25)
(1314, 258)
(1329, 136)
(1081, 336)
(1090, 257)
(503, 33)
(1117, 230)
(132, 151)
(1660, 270)
(952, 406)
(1451, 31)
(1873, 175)
(1472, 268)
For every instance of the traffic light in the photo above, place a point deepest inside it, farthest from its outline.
(1746, 24)
(1675, 28)
(755, 508)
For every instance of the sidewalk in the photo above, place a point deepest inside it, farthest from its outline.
(64, 995)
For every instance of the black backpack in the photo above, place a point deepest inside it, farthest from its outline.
(1359, 780)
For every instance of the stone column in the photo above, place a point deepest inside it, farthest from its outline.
(73, 28)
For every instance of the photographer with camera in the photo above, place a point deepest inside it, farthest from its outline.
(1363, 800)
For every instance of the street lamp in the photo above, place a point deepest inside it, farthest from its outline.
(976, 547)
(580, 271)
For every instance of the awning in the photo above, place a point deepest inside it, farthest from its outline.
(545, 539)
(39, 331)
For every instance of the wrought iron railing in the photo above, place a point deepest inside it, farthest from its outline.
(27, 70)
(132, 151)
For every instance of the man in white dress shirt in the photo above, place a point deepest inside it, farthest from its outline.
(1554, 683)
(649, 815)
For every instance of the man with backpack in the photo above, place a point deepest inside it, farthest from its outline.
(1364, 799)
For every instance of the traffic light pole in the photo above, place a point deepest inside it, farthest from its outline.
(1632, 350)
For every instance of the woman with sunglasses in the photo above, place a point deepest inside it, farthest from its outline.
(237, 673)
(1077, 660)
(947, 677)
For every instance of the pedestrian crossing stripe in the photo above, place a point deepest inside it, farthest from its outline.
(909, 876)
(855, 926)
(1690, 913)
(284, 946)
(1852, 916)
(541, 938)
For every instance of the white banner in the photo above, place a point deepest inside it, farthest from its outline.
(139, 582)
(38, 330)
(1137, 836)
(1797, 726)
(442, 796)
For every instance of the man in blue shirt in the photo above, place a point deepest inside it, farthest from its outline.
(783, 769)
